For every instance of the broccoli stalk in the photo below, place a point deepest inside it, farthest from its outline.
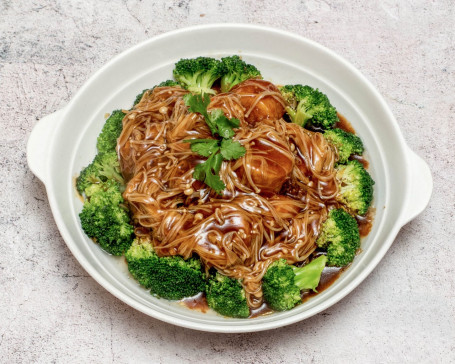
(282, 282)
(234, 71)
(345, 143)
(355, 187)
(198, 74)
(105, 219)
(169, 277)
(226, 296)
(339, 235)
(309, 106)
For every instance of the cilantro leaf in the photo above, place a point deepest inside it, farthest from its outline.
(216, 150)
(198, 103)
(232, 149)
(199, 171)
(204, 147)
(224, 126)
(234, 122)
(216, 120)
(207, 172)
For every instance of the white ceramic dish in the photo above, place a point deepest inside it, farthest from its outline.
(62, 143)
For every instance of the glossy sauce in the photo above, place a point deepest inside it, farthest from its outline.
(344, 124)
(198, 303)
(261, 311)
(365, 223)
(328, 277)
(360, 158)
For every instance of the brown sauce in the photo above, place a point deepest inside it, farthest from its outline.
(328, 277)
(365, 223)
(344, 124)
(261, 311)
(364, 229)
(362, 160)
(198, 303)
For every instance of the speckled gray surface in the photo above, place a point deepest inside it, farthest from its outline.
(52, 311)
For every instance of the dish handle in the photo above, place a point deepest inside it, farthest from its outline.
(421, 187)
(39, 142)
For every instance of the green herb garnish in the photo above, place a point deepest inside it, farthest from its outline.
(216, 150)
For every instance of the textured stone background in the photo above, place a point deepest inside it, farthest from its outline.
(52, 311)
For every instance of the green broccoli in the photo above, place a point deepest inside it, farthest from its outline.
(282, 282)
(104, 166)
(308, 106)
(198, 74)
(140, 257)
(339, 235)
(234, 71)
(105, 219)
(107, 140)
(226, 296)
(169, 83)
(169, 277)
(355, 187)
(346, 143)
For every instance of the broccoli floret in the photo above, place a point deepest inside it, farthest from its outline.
(169, 83)
(340, 237)
(226, 296)
(104, 166)
(175, 278)
(140, 257)
(282, 282)
(308, 106)
(346, 143)
(234, 71)
(105, 192)
(107, 140)
(198, 74)
(105, 219)
(355, 187)
(169, 277)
